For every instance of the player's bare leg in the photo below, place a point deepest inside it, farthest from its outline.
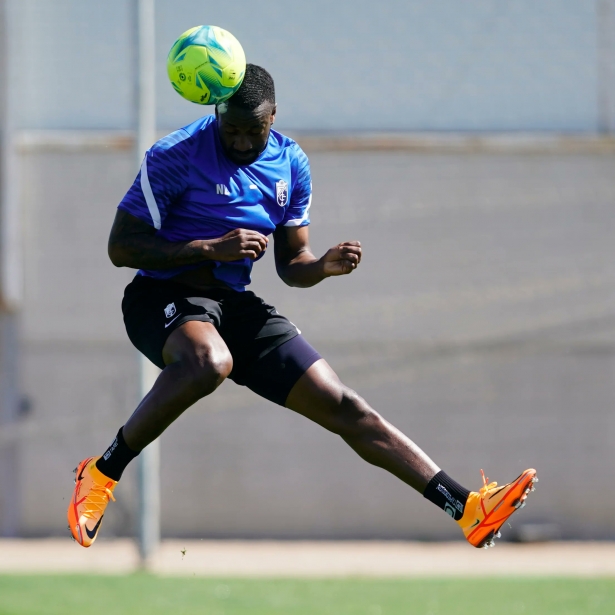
(320, 396)
(197, 362)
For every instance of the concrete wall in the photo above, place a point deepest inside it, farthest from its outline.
(481, 323)
(344, 65)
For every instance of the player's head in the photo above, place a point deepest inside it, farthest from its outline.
(245, 119)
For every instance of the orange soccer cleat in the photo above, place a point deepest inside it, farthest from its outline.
(92, 493)
(486, 511)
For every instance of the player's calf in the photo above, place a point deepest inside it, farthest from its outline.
(480, 514)
(194, 373)
(179, 386)
(320, 396)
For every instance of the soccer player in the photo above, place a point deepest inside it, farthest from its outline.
(197, 217)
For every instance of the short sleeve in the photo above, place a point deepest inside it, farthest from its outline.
(163, 177)
(298, 210)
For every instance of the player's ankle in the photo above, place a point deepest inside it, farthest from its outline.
(447, 494)
(114, 460)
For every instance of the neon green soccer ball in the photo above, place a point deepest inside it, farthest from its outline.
(206, 65)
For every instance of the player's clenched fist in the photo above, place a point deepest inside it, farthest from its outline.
(342, 259)
(235, 245)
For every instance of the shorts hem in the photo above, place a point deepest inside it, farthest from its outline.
(303, 367)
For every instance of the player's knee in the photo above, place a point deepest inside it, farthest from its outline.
(206, 370)
(354, 415)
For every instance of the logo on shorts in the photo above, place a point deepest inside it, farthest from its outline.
(281, 192)
(170, 310)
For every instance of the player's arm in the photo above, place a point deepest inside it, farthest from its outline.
(297, 265)
(134, 243)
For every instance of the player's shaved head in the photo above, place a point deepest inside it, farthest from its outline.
(256, 89)
(245, 119)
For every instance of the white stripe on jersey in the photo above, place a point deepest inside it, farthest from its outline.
(303, 218)
(150, 199)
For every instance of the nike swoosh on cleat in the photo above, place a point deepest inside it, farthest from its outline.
(475, 524)
(85, 465)
(92, 533)
(172, 321)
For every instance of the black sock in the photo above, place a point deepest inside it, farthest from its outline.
(448, 494)
(116, 457)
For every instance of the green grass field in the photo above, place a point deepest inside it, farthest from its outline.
(149, 595)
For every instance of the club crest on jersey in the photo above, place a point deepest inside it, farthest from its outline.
(281, 192)
(170, 310)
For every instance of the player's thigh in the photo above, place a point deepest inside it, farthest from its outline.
(199, 346)
(318, 387)
(295, 376)
(320, 396)
(274, 375)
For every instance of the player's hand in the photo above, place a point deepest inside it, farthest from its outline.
(235, 245)
(343, 259)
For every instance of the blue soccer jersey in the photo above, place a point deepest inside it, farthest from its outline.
(188, 189)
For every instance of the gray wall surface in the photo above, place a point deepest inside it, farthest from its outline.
(481, 322)
(345, 65)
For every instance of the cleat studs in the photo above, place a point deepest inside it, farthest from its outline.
(489, 541)
(522, 505)
(498, 535)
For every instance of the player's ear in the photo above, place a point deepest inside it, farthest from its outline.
(275, 108)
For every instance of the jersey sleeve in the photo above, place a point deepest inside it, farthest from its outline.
(163, 177)
(298, 210)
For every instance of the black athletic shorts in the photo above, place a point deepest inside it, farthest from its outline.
(269, 353)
